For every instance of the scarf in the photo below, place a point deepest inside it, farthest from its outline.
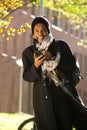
(48, 67)
(45, 43)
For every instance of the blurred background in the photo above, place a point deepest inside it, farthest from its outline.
(68, 21)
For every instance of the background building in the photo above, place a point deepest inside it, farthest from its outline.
(11, 51)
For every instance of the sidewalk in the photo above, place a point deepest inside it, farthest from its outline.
(11, 121)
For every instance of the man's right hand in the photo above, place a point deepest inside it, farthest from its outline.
(38, 60)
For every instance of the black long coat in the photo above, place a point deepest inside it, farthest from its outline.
(50, 104)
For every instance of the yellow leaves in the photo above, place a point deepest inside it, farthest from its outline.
(9, 31)
(3, 35)
(8, 38)
(1, 30)
(80, 43)
(23, 28)
(5, 29)
(1, 4)
(13, 4)
(3, 23)
(7, 6)
(9, 18)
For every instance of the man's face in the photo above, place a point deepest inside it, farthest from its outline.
(40, 32)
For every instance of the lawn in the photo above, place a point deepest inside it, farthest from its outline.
(11, 121)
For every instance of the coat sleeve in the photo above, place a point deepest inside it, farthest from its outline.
(30, 73)
(67, 61)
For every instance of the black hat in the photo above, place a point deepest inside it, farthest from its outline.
(40, 19)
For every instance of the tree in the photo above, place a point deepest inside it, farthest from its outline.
(74, 11)
(7, 7)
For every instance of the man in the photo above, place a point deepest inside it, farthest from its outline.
(50, 64)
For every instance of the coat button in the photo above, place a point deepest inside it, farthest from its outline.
(44, 84)
(46, 97)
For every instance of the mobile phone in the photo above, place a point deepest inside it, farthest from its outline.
(38, 53)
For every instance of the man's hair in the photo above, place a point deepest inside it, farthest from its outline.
(40, 19)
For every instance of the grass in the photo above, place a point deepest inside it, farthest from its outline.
(11, 121)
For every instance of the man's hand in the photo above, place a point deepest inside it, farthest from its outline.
(47, 55)
(38, 60)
